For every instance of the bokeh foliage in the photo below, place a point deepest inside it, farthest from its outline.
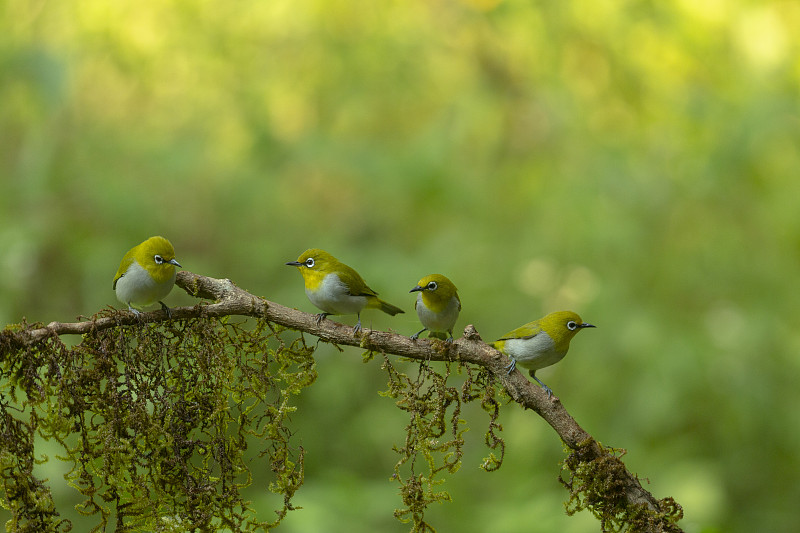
(634, 161)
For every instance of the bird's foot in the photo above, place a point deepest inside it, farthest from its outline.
(547, 389)
(166, 309)
(511, 366)
(136, 313)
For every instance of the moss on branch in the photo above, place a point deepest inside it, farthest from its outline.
(155, 416)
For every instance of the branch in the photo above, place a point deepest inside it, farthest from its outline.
(232, 300)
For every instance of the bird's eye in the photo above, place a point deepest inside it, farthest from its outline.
(432, 286)
(571, 325)
(310, 262)
(158, 259)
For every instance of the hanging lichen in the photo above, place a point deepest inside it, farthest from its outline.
(155, 422)
(435, 437)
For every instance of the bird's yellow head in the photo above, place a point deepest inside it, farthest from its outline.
(561, 326)
(314, 264)
(436, 291)
(157, 256)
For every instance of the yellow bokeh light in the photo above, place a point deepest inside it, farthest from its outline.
(761, 36)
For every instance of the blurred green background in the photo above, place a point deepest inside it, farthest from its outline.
(634, 161)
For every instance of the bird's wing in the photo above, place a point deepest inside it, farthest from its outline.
(357, 285)
(531, 329)
(123, 267)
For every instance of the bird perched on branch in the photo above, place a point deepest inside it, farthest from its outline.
(540, 343)
(336, 288)
(146, 274)
(437, 306)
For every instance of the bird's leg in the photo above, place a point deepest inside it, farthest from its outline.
(321, 317)
(415, 336)
(450, 338)
(547, 389)
(357, 327)
(134, 311)
(167, 309)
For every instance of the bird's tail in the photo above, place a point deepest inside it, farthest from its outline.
(386, 307)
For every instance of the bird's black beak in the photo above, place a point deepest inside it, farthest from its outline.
(294, 263)
(586, 325)
(417, 288)
(174, 262)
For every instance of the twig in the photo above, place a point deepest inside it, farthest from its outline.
(232, 300)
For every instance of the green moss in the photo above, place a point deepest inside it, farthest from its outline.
(596, 482)
(155, 422)
(435, 433)
(160, 425)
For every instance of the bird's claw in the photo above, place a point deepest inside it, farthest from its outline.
(547, 389)
(357, 327)
(511, 366)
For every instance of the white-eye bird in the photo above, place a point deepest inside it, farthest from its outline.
(437, 306)
(541, 343)
(336, 288)
(146, 274)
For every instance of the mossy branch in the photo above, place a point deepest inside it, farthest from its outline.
(232, 300)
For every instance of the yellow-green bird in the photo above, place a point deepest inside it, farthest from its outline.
(437, 306)
(541, 343)
(336, 288)
(146, 274)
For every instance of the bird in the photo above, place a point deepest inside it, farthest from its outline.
(336, 288)
(437, 306)
(540, 343)
(146, 274)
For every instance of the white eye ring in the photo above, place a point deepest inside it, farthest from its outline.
(158, 259)
(571, 325)
(432, 286)
(310, 262)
